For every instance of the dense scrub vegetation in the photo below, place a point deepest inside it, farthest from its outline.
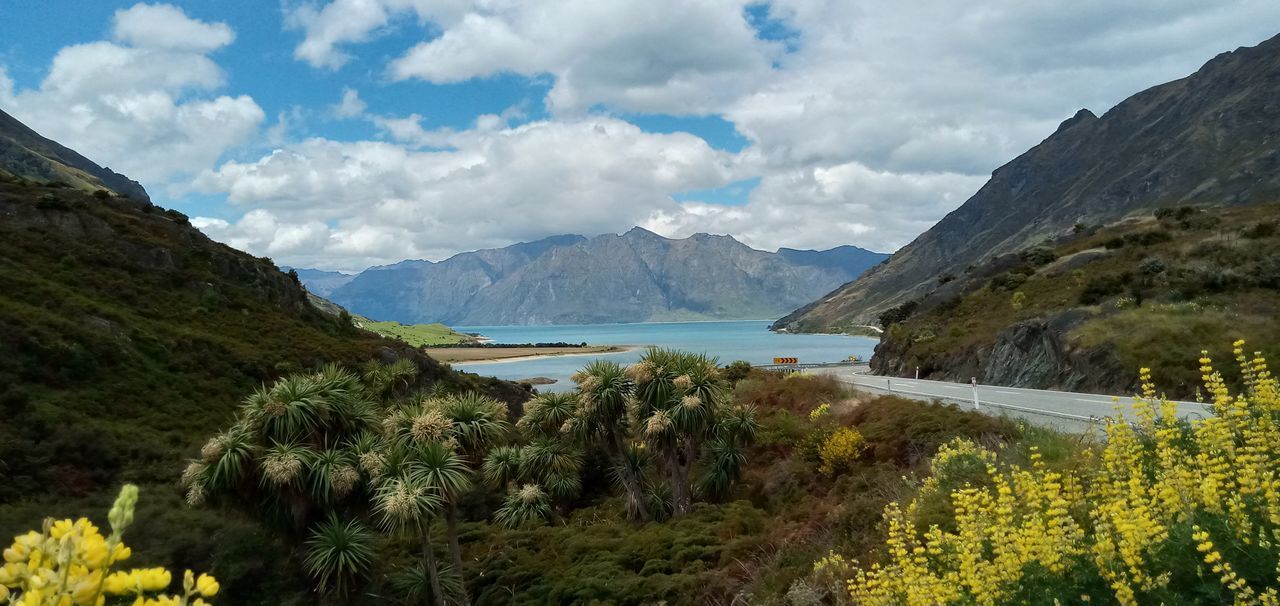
(1165, 511)
(125, 335)
(580, 499)
(1143, 292)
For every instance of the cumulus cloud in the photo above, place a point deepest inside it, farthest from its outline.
(871, 122)
(346, 21)
(351, 106)
(825, 207)
(140, 104)
(944, 86)
(385, 202)
(669, 56)
(166, 26)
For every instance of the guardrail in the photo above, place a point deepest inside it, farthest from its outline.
(795, 367)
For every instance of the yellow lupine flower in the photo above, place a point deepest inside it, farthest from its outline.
(207, 586)
(69, 564)
(1115, 513)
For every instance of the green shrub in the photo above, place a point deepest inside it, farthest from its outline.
(1008, 280)
(897, 314)
(797, 393)
(1039, 255)
(1097, 288)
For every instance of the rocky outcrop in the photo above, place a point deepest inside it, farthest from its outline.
(1034, 354)
(633, 277)
(1212, 138)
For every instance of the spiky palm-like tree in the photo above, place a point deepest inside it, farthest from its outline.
(601, 418)
(479, 422)
(384, 379)
(339, 554)
(502, 466)
(291, 449)
(547, 413)
(405, 502)
(441, 468)
(436, 442)
(677, 404)
(528, 504)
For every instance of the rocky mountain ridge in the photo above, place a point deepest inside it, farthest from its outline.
(633, 277)
(1210, 139)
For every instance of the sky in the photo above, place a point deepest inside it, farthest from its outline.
(350, 133)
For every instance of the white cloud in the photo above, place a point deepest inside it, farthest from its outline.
(142, 108)
(351, 106)
(6, 88)
(879, 119)
(825, 207)
(346, 21)
(670, 56)
(944, 86)
(386, 202)
(167, 27)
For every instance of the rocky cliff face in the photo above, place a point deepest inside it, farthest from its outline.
(1035, 353)
(634, 277)
(1212, 138)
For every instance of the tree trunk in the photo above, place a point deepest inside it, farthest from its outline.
(455, 551)
(679, 487)
(629, 481)
(429, 560)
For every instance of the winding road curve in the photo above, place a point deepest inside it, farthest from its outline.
(1060, 408)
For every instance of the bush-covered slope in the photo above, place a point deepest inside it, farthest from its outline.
(126, 336)
(1084, 312)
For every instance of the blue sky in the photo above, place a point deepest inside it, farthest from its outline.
(344, 133)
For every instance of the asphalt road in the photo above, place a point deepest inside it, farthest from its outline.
(1061, 408)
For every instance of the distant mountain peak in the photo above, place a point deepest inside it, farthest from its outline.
(1084, 115)
(640, 232)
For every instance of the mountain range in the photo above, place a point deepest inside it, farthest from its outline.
(1209, 139)
(637, 276)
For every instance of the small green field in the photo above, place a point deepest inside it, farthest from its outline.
(418, 335)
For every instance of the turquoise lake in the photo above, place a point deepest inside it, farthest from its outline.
(728, 341)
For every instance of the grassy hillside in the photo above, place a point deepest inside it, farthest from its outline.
(125, 336)
(1149, 291)
(418, 335)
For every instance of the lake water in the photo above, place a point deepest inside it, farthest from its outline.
(728, 341)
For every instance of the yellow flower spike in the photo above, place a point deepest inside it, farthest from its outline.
(188, 581)
(1146, 480)
(207, 586)
(117, 583)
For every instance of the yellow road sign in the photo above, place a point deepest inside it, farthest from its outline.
(786, 360)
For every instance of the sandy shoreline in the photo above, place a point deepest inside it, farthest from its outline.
(496, 355)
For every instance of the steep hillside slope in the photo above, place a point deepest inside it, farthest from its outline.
(1086, 311)
(27, 155)
(1212, 138)
(126, 336)
(634, 277)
